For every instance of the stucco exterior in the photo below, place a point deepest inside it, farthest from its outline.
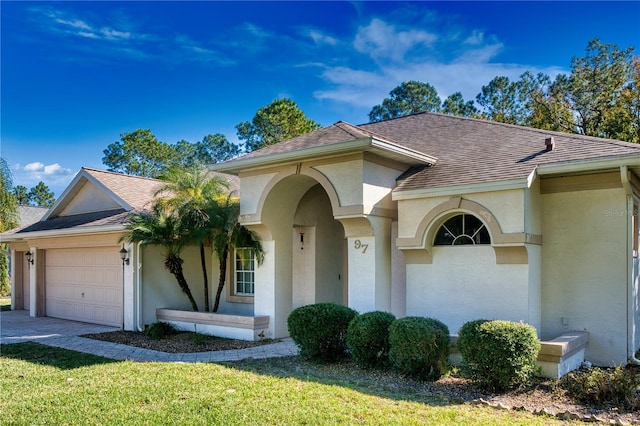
(350, 214)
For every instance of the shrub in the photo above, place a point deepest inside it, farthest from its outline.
(320, 330)
(498, 354)
(598, 386)
(159, 330)
(419, 347)
(368, 339)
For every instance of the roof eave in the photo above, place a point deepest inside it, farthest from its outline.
(62, 232)
(377, 146)
(578, 166)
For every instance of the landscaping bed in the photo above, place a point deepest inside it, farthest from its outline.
(179, 342)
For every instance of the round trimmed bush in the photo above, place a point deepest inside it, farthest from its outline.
(320, 330)
(498, 354)
(419, 347)
(368, 339)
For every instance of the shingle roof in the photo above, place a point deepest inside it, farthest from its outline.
(478, 151)
(84, 220)
(30, 214)
(136, 191)
(467, 150)
(338, 132)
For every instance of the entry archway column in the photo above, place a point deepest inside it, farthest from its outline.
(369, 262)
(267, 296)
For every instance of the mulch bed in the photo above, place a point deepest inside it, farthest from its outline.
(181, 342)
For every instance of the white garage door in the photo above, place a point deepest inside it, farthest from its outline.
(84, 285)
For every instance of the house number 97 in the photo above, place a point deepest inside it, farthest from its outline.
(359, 245)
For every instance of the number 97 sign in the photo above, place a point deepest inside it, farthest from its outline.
(359, 245)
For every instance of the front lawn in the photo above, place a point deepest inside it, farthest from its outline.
(45, 385)
(5, 303)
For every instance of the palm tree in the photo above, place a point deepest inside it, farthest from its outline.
(192, 194)
(166, 230)
(227, 235)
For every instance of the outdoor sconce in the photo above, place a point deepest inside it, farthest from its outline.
(29, 257)
(124, 255)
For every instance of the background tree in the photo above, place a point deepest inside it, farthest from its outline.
(194, 195)
(8, 220)
(408, 98)
(210, 150)
(41, 196)
(138, 153)
(596, 85)
(21, 193)
(8, 206)
(164, 229)
(278, 121)
(622, 120)
(545, 106)
(455, 105)
(503, 101)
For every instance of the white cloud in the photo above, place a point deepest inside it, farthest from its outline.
(53, 175)
(319, 37)
(455, 61)
(382, 40)
(39, 170)
(34, 167)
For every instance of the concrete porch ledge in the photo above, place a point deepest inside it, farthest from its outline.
(563, 354)
(222, 325)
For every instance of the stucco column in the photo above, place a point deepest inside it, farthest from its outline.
(128, 299)
(265, 296)
(369, 262)
(36, 284)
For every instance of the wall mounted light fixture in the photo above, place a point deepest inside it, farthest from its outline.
(29, 257)
(124, 255)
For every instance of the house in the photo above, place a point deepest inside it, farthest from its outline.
(430, 215)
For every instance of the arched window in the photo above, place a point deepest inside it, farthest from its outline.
(462, 229)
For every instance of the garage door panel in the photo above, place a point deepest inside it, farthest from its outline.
(85, 285)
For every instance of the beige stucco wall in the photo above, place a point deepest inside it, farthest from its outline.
(508, 207)
(89, 199)
(464, 283)
(160, 289)
(584, 271)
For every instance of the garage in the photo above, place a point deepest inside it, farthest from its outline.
(84, 284)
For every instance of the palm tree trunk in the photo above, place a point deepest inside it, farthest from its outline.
(203, 262)
(174, 264)
(222, 277)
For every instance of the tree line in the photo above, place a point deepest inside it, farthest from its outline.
(599, 97)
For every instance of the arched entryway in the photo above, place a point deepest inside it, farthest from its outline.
(305, 260)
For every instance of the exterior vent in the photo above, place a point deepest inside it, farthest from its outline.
(550, 143)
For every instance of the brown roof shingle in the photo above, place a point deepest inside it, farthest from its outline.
(467, 150)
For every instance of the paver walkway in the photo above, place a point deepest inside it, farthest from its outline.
(18, 326)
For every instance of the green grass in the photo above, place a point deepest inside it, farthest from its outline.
(5, 303)
(45, 385)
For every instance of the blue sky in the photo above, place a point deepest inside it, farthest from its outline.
(75, 75)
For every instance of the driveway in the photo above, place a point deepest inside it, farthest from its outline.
(18, 326)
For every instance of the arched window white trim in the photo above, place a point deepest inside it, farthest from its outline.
(462, 229)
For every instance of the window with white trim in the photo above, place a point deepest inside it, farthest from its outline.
(244, 272)
(463, 229)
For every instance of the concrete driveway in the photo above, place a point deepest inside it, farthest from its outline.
(18, 326)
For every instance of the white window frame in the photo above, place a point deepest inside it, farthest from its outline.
(246, 272)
